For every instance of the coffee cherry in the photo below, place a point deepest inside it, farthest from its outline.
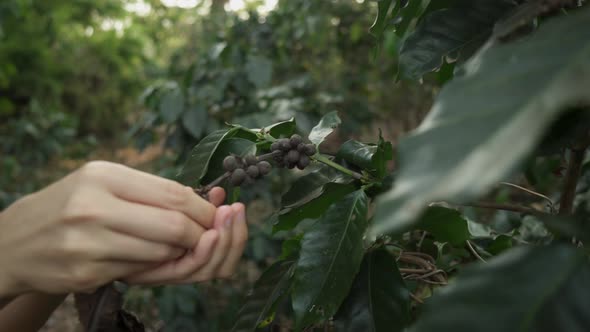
(251, 160)
(230, 163)
(293, 157)
(285, 144)
(264, 167)
(274, 146)
(301, 147)
(310, 149)
(248, 181)
(237, 177)
(278, 158)
(303, 162)
(295, 141)
(291, 165)
(253, 171)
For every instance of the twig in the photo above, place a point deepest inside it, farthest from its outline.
(323, 159)
(506, 207)
(416, 298)
(574, 168)
(474, 252)
(532, 192)
(204, 190)
(269, 156)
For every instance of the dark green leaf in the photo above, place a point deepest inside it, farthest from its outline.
(497, 104)
(310, 186)
(291, 247)
(197, 164)
(236, 146)
(171, 105)
(383, 12)
(260, 304)
(409, 15)
(371, 158)
(526, 289)
(194, 120)
(282, 129)
(444, 33)
(378, 301)
(447, 225)
(330, 193)
(331, 254)
(326, 126)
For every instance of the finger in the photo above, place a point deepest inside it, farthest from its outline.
(180, 269)
(153, 224)
(209, 271)
(239, 239)
(140, 187)
(118, 246)
(216, 196)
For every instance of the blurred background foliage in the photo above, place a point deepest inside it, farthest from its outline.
(141, 82)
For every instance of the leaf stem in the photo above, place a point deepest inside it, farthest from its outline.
(323, 159)
(574, 168)
(505, 207)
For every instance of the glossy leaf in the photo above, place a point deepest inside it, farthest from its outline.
(500, 108)
(330, 193)
(282, 129)
(444, 33)
(372, 158)
(268, 290)
(229, 146)
(324, 128)
(378, 301)
(409, 15)
(194, 120)
(542, 289)
(331, 254)
(310, 186)
(384, 7)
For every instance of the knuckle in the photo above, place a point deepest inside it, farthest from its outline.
(177, 226)
(80, 207)
(95, 170)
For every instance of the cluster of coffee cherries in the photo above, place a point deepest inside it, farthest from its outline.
(245, 170)
(292, 152)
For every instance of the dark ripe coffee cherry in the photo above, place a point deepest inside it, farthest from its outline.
(264, 167)
(295, 141)
(310, 149)
(278, 158)
(274, 146)
(303, 162)
(285, 144)
(253, 171)
(248, 181)
(237, 177)
(293, 157)
(230, 163)
(251, 160)
(291, 165)
(301, 147)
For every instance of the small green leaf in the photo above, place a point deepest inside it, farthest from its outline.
(310, 186)
(378, 301)
(194, 120)
(260, 304)
(370, 157)
(282, 129)
(172, 105)
(331, 254)
(542, 289)
(444, 33)
(324, 128)
(447, 225)
(496, 104)
(383, 12)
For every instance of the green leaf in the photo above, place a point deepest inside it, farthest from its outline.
(324, 128)
(171, 105)
(330, 193)
(484, 123)
(370, 157)
(383, 12)
(310, 186)
(444, 33)
(378, 301)
(194, 120)
(409, 15)
(447, 225)
(259, 70)
(282, 129)
(260, 304)
(526, 289)
(331, 254)
(236, 146)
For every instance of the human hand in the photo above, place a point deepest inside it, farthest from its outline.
(215, 256)
(100, 223)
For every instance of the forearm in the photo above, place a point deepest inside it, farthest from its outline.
(29, 312)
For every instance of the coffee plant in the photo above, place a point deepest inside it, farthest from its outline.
(481, 226)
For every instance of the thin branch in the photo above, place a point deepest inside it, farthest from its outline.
(324, 160)
(474, 252)
(574, 168)
(505, 207)
(532, 192)
(204, 190)
(416, 298)
(269, 156)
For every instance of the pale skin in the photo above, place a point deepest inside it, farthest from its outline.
(108, 222)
